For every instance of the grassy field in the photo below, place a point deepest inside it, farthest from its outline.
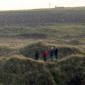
(18, 44)
(17, 66)
(69, 34)
(43, 16)
(59, 31)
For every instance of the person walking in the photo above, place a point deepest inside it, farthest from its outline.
(51, 53)
(37, 55)
(56, 52)
(44, 55)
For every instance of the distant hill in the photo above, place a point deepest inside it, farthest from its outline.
(42, 16)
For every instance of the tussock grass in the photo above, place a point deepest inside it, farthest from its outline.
(63, 51)
(66, 70)
(20, 70)
(5, 51)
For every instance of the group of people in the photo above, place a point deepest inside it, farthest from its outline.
(45, 54)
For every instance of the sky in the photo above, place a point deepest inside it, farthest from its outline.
(36, 4)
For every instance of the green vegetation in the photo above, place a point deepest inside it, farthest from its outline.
(67, 69)
(63, 51)
(64, 25)
(24, 32)
(5, 51)
(42, 17)
(56, 31)
(23, 71)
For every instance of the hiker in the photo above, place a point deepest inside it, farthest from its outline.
(37, 55)
(56, 52)
(51, 53)
(44, 55)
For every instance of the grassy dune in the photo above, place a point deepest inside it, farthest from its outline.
(18, 68)
(22, 71)
(23, 32)
(25, 71)
(63, 50)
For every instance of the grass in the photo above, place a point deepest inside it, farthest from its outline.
(64, 71)
(22, 71)
(18, 43)
(65, 34)
(63, 51)
(55, 31)
(16, 48)
(16, 69)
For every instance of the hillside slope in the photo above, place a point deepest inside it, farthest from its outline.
(42, 17)
(24, 71)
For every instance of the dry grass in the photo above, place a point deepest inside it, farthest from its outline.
(23, 71)
(16, 69)
(63, 50)
(19, 70)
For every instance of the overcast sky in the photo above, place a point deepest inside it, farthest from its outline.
(33, 4)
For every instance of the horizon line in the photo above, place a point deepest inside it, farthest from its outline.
(42, 8)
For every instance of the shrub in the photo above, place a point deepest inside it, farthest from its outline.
(16, 71)
(65, 71)
(63, 51)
